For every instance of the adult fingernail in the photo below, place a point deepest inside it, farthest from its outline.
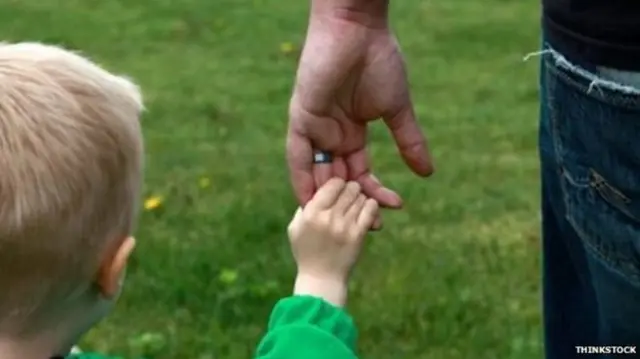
(390, 198)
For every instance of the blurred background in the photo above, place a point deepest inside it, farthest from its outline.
(453, 275)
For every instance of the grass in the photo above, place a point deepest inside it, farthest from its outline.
(453, 275)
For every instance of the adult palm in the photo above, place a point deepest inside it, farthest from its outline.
(350, 73)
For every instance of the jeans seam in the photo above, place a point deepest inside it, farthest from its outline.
(626, 100)
(605, 260)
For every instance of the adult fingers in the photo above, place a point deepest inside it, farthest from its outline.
(358, 165)
(339, 168)
(383, 195)
(323, 172)
(410, 141)
(308, 131)
(300, 162)
(377, 221)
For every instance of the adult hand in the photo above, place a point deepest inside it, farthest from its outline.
(351, 72)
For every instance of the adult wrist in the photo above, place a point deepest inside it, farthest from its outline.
(331, 290)
(371, 13)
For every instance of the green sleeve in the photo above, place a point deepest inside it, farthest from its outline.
(303, 327)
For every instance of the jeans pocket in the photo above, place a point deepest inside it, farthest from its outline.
(596, 138)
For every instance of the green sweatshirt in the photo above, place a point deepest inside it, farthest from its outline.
(300, 327)
(308, 328)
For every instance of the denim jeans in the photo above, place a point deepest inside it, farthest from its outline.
(590, 167)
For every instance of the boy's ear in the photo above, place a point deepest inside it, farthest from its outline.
(113, 266)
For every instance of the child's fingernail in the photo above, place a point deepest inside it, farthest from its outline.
(377, 224)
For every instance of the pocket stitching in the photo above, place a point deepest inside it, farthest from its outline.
(594, 243)
(611, 195)
(605, 259)
(625, 100)
(573, 181)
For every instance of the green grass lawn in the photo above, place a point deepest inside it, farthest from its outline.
(453, 275)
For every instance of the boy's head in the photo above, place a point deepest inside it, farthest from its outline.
(70, 175)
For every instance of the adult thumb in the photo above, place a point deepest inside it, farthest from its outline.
(410, 141)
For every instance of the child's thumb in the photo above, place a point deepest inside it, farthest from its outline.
(298, 214)
(295, 222)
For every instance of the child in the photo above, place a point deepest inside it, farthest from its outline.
(70, 175)
(326, 238)
(71, 169)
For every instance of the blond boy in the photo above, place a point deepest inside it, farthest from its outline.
(70, 174)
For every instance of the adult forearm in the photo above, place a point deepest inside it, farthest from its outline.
(368, 12)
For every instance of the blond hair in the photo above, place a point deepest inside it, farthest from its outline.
(70, 174)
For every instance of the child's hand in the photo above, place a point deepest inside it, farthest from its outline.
(326, 238)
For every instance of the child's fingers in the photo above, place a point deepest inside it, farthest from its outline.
(377, 223)
(326, 195)
(346, 198)
(297, 215)
(295, 222)
(354, 211)
(368, 214)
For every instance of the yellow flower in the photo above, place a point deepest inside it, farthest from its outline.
(152, 203)
(286, 47)
(204, 182)
(228, 276)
